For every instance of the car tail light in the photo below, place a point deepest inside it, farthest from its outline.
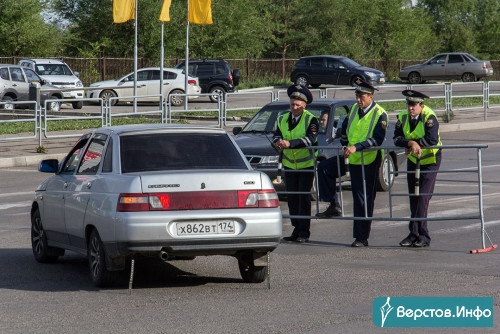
(192, 82)
(198, 200)
(230, 78)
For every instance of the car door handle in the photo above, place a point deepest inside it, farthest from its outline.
(89, 185)
(65, 185)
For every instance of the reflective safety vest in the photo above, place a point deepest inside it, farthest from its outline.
(428, 155)
(359, 130)
(297, 158)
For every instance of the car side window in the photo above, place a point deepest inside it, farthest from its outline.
(205, 69)
(107, 165)
(93, 155)
(144, 75)
(31, 76)
(4, 73)
(316, 62)
(16, 74)
(73, 158)
(438, 60)
(455, 59)
(167, 75)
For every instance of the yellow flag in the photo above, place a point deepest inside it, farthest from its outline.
(165, 11)
(200, 11)
(123, 10)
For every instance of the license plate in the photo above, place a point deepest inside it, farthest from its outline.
(204, 228)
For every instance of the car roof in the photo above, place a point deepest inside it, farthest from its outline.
(315, 102)
(44, 60)
(330, 56)
(181, 128)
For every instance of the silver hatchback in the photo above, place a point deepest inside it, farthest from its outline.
(162, 190)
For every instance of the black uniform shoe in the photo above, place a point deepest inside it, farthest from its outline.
(301, 240)
(407, 242)
(420, 243)
(332, 211)
(292, 238)
(360, 243)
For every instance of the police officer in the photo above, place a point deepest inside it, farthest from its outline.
(416, 130)
(296, 131)
(363, 128)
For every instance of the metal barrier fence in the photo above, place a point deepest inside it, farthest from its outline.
(476, 171)
(231, 102)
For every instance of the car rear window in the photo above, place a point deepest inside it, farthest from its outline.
(174, 151)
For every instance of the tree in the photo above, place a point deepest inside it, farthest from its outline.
(25, 33)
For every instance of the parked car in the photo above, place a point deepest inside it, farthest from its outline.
(159, 190)
(254, 138)
(446, 66)
(215, 75)
(334, 70)
(15, 85)
(148, 86)
(57, 73)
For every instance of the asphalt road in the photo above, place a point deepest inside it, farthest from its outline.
(322, 287)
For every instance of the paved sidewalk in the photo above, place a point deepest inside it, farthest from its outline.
(21, 153)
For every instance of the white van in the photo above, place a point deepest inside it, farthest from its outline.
(57, 73)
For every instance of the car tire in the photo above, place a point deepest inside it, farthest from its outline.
(41, 251)
(385, 181)
(216, 91)
(96, 254)
(414, 78)
(54, 106)
(9, 105)
(77, 104)
(250, 272)
(175, 99)
(106, 95)
(302, 80)
(468, 77)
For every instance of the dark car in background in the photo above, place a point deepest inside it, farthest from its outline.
(446, 66)
(333, 70)
(255, 137)
(215, 75)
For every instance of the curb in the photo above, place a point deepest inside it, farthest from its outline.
(31, 160)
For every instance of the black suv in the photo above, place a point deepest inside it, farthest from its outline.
(215, 76)
(333, 70)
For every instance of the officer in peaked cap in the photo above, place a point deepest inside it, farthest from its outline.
(363, 87)
(297, 131)
(300, 92)
(364, 128)
(417, 129)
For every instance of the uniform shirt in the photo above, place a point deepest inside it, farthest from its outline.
(431, 137)
(378, 132)
(308, 140)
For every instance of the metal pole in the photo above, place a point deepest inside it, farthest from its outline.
(135, 56)
(162, 56)
(186, 62)
(480, 198)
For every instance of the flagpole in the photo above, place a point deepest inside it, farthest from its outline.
(135, 56)
(186, 62)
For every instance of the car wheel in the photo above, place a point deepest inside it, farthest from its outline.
(54, 106)
(216, 91)
(41, 251)
(77, 105)
(176, 99)
(302, 80)
(99, 273)
(8, 105)
(354, 79)
(468, 77)
(250, 272)
(414, 78)
(106, 95)
(385, 181)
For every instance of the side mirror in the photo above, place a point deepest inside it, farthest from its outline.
(237, 130)
(48, 166)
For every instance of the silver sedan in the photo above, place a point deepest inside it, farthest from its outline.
(159, 190)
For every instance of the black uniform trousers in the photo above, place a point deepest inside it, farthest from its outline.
(419, 204)
(361, 228)
(299, 204)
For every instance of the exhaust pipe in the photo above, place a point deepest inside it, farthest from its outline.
(164, 255)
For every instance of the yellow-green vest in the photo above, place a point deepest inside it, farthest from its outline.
(359, 130)
(428, 156)
(297, 158)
